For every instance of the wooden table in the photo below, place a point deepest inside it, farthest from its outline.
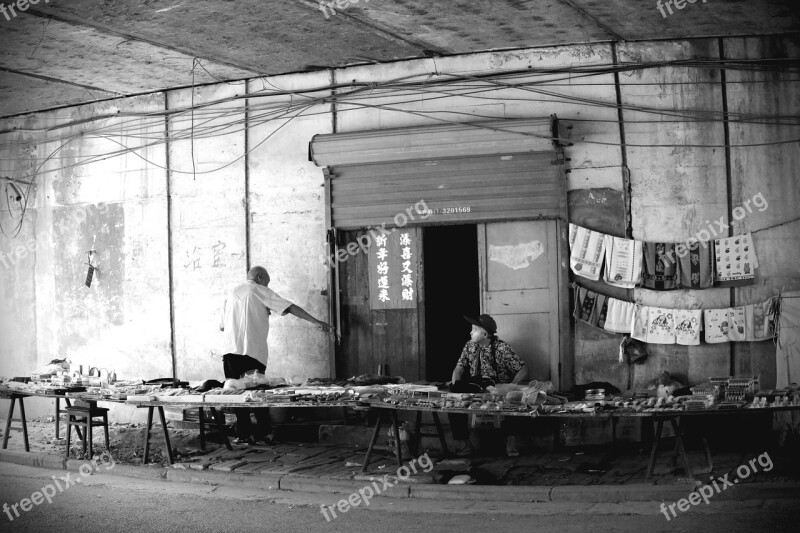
(383, 407)
(660, 417)
(217, 416)
(19, 395)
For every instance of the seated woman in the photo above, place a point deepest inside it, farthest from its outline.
(484, 356)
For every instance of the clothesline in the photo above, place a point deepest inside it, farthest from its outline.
(723, 262)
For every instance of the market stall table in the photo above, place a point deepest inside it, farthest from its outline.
(213, 406)
(391, 408)
(19, 395)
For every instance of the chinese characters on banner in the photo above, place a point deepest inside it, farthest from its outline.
(393, 266)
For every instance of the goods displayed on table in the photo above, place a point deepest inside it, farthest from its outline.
(535, 397)
(62, 378)
(718, 393)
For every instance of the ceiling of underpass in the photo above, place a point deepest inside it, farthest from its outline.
(63, 52)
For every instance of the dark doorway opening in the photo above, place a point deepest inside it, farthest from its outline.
(452, 290)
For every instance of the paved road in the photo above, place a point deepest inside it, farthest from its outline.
(106, 503)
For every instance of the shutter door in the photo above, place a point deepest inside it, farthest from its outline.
(435, 175)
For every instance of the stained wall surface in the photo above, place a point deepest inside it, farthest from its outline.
(241, 191)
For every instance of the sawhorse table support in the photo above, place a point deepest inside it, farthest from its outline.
(163, 427)
(14, 398)
(679, 450)
(439, 433)
(375, 438)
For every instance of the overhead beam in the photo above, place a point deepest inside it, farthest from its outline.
(57, 80)
(422, 48)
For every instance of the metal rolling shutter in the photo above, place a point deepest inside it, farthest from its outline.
(496, 170)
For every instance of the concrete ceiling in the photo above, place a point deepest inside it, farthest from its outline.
(64, 52)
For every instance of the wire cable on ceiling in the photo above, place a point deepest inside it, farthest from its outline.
(133, 132)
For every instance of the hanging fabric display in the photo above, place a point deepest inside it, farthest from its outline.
(661, 326)
(787, 354)
(759, 320)
(715, 325)
(619, 316)
(623, 262)
(736, 261)
(586, 250)
(687, 326)
(639, 321)
(590, 307)
(658, 325)
(600, 311)
(660, 268)
(584, 303)
(695, 265)
(736, 324)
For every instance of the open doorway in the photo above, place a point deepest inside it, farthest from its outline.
(452, 289)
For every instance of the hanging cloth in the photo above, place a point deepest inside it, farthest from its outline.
(736, 324)
(787, 355)
(661, 326)
(660, 267)
(590, 307)
(619, 316)
(639, 322)
(759, 320)
(715, 325)
(623, 262)
(696, 266)
(687, 326)
(736, 261)
(586, 250)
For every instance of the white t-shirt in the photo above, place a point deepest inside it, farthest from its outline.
(246, 319)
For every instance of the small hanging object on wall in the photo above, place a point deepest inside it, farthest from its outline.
(90, 273)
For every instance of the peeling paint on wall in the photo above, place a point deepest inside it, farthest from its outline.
(516, 256)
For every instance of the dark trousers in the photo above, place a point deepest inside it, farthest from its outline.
(235, 366)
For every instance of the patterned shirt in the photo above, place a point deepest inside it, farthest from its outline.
(478, 359)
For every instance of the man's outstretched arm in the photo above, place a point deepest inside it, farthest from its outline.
(299, 312)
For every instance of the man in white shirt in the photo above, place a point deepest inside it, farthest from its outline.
(245, 318)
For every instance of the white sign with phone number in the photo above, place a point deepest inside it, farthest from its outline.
(449, 210)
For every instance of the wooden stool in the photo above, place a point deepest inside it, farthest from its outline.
(14, 398)
(83, 417)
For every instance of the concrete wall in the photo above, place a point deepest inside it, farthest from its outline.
(170, 244)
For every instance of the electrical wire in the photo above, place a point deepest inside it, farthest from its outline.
(136, 131)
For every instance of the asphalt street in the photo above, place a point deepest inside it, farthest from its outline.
(109, 503)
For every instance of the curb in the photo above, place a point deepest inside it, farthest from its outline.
(210, 477)
(589, 494)
(639, 492)
(485, 493)
(41, 460)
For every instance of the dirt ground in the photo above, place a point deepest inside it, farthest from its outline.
(126, 440)
(589, 466)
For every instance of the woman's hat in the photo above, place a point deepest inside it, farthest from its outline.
(484, 321)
